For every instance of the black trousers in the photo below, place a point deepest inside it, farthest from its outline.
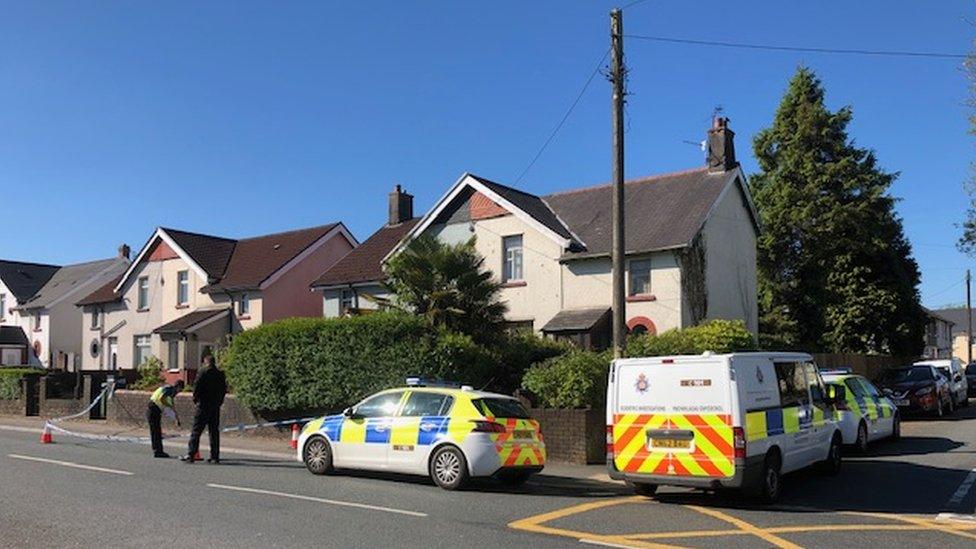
(206, 417)
(155, 418)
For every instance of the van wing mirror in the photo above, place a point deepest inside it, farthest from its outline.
(836, 393)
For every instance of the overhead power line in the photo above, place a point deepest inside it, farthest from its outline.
(771, 47)
(565, 117)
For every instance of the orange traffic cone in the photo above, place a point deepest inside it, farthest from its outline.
(46, 437)
(294, 436)
(196, 456)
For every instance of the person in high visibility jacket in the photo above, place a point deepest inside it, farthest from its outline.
(161, 402)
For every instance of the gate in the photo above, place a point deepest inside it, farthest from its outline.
(32, 394)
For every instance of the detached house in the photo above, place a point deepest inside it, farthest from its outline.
(39, 300)
(185, 292)
(690, 249)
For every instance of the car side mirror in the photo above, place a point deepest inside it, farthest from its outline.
(836, 393)
(348, 412)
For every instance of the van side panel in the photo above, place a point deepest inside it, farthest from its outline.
(674, 418)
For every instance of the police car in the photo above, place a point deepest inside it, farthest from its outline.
(865, 415)
(452, 433)
(710, 421)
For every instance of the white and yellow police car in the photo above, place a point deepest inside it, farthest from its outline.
(864, 415)
(452, 433)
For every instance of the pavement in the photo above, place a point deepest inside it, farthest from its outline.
(81, 492)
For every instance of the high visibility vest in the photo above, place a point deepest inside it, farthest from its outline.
(162, 397)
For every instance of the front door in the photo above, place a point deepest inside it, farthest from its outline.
(365, 437)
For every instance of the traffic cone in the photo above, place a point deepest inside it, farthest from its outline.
(294, 436)
(196, 456)
(46, 437)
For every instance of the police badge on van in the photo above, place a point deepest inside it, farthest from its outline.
(642, 385)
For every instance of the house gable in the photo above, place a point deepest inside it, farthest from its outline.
(153, 247)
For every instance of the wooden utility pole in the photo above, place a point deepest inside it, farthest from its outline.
(617, 76)
(969, 320)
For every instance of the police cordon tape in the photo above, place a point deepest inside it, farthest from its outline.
(107, 394)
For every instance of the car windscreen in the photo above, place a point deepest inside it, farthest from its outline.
(919, 373)
(501, 407)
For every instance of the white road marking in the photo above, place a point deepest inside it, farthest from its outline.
(955, 517)
(21, 429)
(319, 500)
(70, 464)
(963, 490)
(604, 543)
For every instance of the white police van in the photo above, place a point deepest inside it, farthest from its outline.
(713, 421)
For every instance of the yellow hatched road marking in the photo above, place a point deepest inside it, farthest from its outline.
(745, 526)
(925, 523)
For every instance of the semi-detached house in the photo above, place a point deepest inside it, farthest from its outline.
(690, 249)
(186, 292)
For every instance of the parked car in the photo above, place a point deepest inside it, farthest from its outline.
(951, 368)
(971, 380)
(452, 433)
(710, 421)
(917, 389)
(865, 415)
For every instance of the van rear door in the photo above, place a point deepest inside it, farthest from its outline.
(673, 416)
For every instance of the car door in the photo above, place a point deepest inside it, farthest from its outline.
(365, 435)
(820, 429)
(880, 413)
(423, 417)
(795, 402)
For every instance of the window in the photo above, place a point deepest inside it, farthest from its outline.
(817, 392)
(142, 300)
(640, 277)
(512, 251)
(143, 350)
(173, 358)
(427, 404)
(37, 321)
(182, 287)
(869, 388)
(244, 305)
(3, 306)
(345, 301)
(792, 384)
(501, 407)
(95, 317)
(113, 353)
(384, 405)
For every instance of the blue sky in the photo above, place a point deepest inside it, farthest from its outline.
(250, 117)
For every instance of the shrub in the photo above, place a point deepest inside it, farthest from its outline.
(516, 353)
(577, 379)
(150, 374)
(327, 364)
(10, 381)
(718, 336)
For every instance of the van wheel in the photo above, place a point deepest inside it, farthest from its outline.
(769, 485)
(861, 443)
(645, 489)
(448, 468)
(832, 464)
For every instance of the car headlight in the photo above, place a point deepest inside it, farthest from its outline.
(924, 391)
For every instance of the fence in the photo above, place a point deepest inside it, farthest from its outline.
(869, 366)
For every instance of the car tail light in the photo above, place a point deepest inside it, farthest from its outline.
(609, 441)
(739, 441)
(487, 426)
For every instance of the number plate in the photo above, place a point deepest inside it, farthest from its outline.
(901, 402)
(669, 443)
(523, 434)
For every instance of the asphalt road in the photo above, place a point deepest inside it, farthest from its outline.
(78, 493)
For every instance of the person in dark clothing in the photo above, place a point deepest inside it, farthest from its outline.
(208, 394)
(160, 402)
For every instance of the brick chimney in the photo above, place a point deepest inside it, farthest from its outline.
(401, 206)
(721, 149)
(124, 251)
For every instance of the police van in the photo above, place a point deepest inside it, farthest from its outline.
(712, 421)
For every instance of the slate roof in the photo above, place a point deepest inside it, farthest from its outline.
(25, 279)
(530, 204)
(255, 259)
(189, 320)
(956, 315)
(104, 294)
(364, 263)
(74, 277)
(574, 320)
(13, 335)
(211, 253)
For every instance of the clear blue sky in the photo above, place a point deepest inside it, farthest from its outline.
(243, 118)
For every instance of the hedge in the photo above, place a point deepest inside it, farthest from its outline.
(718, 336)
(10, 381)
(328, 364)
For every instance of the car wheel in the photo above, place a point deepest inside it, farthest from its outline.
(448, 468)
(769, 485)
(317, 456)
(832, 464)
(861, 442)
(645, 489)
(896, 428)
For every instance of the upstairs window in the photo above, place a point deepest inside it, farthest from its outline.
(640, 277)
(95, 320)
(182, 287)
(244, 305)
(3, 306)
(512, 252)
(142, 298)
(37, 320)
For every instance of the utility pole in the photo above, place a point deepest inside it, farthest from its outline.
(617, 76)
(969, 320)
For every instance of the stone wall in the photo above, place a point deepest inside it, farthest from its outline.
(575, 436)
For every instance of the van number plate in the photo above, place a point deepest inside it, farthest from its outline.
(670, 443)
(523, 433)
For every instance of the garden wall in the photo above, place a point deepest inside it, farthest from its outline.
(574, 436)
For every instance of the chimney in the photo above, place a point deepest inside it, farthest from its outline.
(401, 206)
(124, 251)
(721, 149)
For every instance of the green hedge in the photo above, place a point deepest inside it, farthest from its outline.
(327, 364)
(575, 380)
(718, 336)
(10, 381)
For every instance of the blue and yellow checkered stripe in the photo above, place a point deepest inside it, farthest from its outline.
(776, 421)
